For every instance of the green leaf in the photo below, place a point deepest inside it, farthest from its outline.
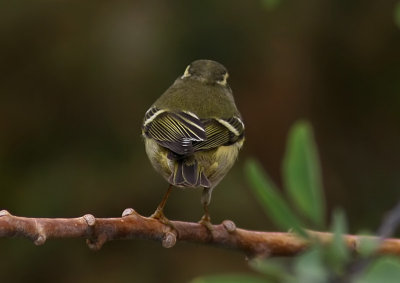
(302, 173)
(277, 269)
(338, 253)
(229, 278)
(368, 243)
(397, 14)
(339, 228)
(309, 268)
(271, 200)
(382, 270)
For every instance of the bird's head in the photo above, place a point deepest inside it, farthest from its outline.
(208, 71)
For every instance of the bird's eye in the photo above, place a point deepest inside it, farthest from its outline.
(186, 73)
(224, 79)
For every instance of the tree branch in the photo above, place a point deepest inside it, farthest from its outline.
(131, 225)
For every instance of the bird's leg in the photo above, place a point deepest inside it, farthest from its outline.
(205, 200)
(159, 213)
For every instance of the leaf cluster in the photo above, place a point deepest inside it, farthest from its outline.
(301, 205)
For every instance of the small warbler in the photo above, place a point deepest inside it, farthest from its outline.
(193, 132)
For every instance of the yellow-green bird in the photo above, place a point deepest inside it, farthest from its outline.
(193, 132)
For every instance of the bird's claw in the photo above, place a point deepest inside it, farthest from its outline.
(159, 215)
(206, 222)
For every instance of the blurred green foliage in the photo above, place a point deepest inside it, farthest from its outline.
(302, 176)
(230, 279)
(301, 173)
(333, 262)
(385, 270)
(338, 254)
(271, 200)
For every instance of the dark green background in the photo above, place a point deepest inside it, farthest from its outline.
(76, 79)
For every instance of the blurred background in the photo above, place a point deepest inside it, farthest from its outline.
(77, 77)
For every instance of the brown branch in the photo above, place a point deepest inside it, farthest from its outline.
(131, 225)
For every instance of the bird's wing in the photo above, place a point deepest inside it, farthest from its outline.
(220, 132)
(174, 130)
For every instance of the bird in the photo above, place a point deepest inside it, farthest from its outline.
(193, 133)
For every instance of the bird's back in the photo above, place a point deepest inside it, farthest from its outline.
(180, 97)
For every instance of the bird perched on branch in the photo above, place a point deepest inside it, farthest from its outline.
(193, 132)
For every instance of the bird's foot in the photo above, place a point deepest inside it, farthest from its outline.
(206, 222)
(159, 215)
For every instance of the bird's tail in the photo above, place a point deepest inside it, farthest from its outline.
(188, 174)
